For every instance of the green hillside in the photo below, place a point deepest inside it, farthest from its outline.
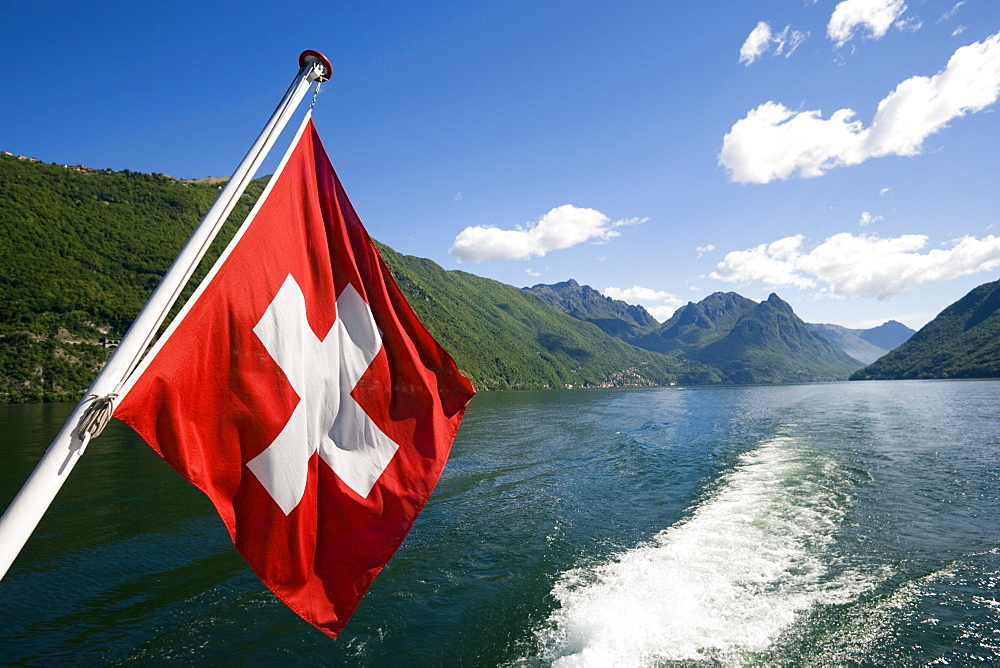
(81, 250)
(963, 341)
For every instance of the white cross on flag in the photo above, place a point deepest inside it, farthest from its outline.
(298, 390)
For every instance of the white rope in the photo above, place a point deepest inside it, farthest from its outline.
(96, 418)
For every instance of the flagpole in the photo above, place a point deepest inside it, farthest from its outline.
(96, 407)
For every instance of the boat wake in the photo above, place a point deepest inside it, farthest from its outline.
(752, 557)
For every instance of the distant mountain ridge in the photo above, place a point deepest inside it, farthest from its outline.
(751, 342)
(583, 302)
(867, 345)
(889, 335)
(634, 324)
(697, 325)
(963, 341)
(746, 341)
(850, 342)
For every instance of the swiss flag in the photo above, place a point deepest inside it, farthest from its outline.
(299, 391)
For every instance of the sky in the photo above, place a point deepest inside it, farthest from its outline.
(842, 154)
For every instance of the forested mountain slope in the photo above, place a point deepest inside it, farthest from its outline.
(81, 250)
(963, 341)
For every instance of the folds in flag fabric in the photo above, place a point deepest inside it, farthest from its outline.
(298, 390)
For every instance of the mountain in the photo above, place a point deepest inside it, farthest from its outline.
(963, 341)
(850, 342)
(768, 343)
(697, 325)
(866, 345)
(745, 341)
(81, 249)
(614, 317)
(888, 335)
(505, 337)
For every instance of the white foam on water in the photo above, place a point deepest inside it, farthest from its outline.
(875, 624)
(750, 560)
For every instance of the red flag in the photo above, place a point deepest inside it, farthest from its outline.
(303, 396)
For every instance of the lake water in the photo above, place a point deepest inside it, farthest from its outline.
(820, 524)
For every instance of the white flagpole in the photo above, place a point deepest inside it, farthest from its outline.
(27, 508)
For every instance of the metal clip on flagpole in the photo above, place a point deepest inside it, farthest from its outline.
(97, 406)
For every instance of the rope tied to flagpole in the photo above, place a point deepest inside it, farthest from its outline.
(96, 418)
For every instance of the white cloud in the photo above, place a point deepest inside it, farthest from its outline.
(762, 38)
(562, 227)
(532, 273)
(876, 15)
(868, 218)
(847, 265)
(958, 31)
(756, 43)
(910, 24)
(774, 264)
(790, 39)
(660, 304)
(951, 12)
(883, 191)
(662, 312)
(637, 294)
(921, 106)
(458, 197)
(707, 248)
(774, 142)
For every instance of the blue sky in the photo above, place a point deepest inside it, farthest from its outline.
(841, 154)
